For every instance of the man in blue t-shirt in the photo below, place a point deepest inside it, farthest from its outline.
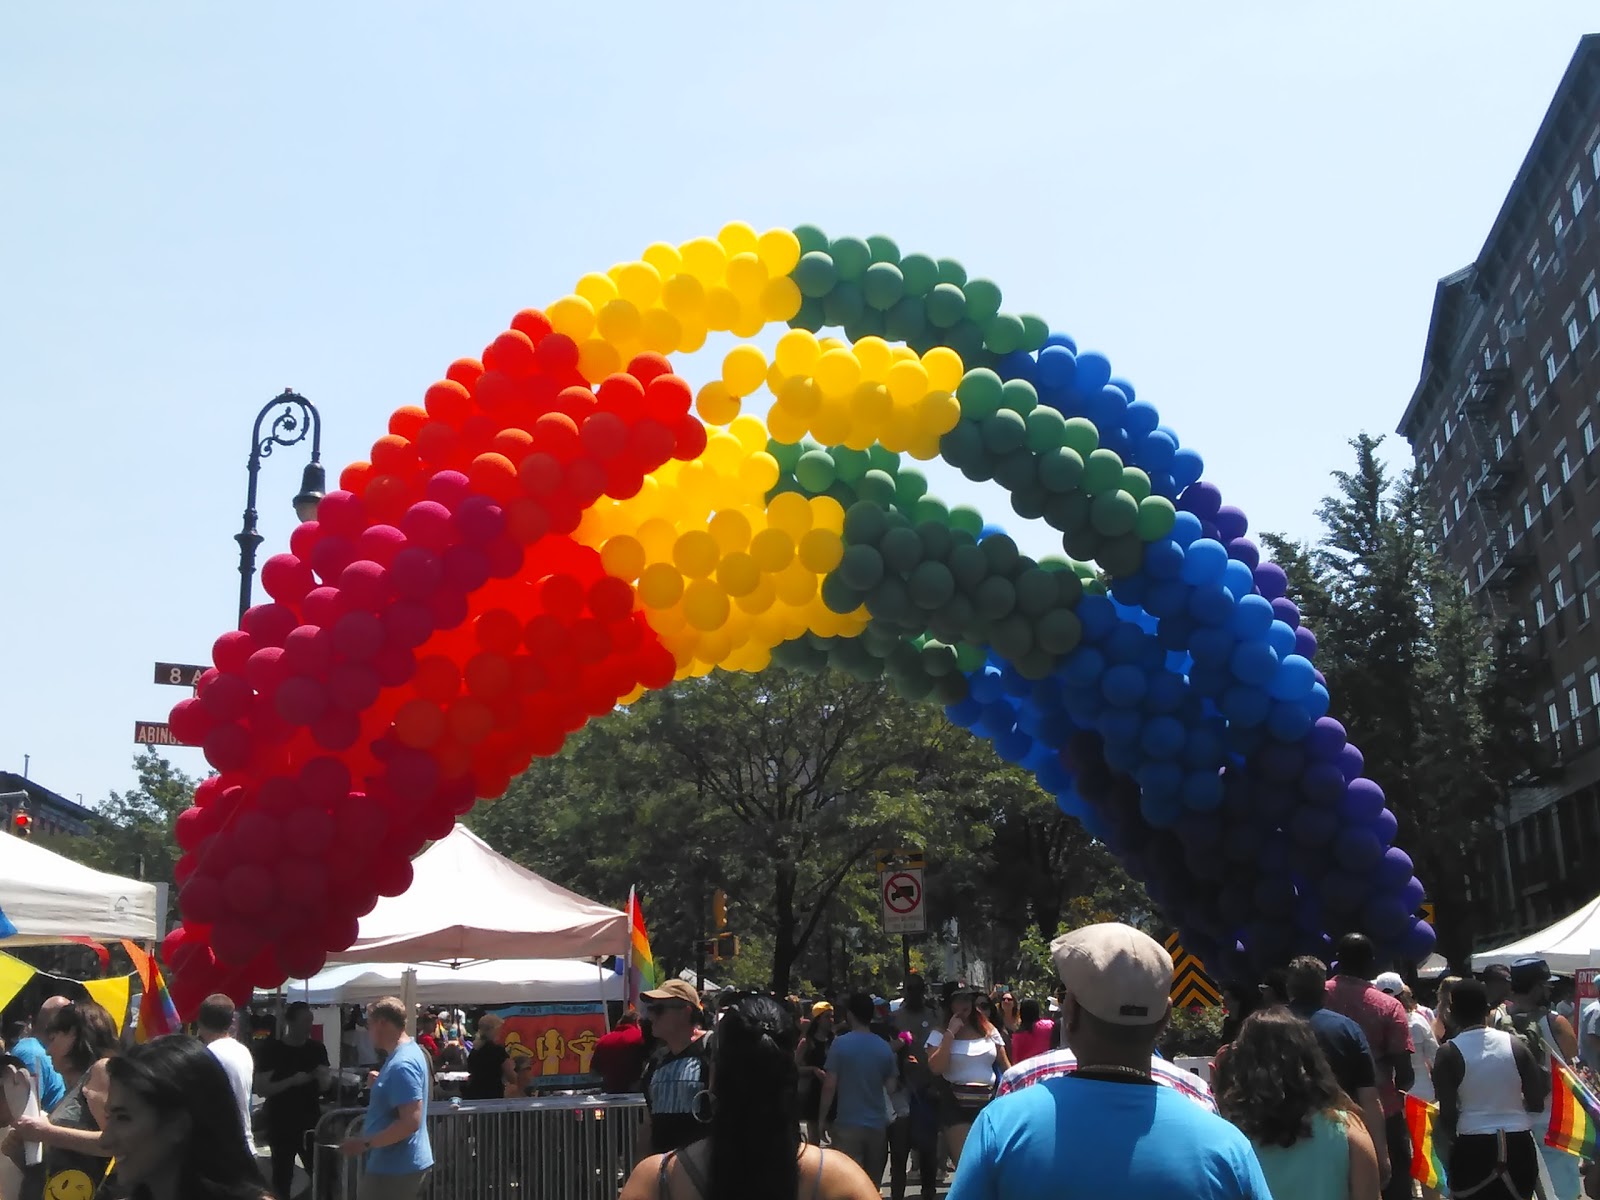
(394, 1136)
(47, 1080)
(1107, 1130)
(860, 1069)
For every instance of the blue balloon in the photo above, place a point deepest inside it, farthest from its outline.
(964, 713)
(1057, 367)
(1317, 703)
(1187, 467)
(1123, 756)
(1160, 779)
(1155, 450)
(1418, 942)
(1097, 615)
(998, 718)
(1288, 721)
(1163, 559)
(1018, 364)
(1083, 667)
(1203, 747)
(1281, 638)
(1053, 776)
(1072, 804)
(1186, 530)
(1124, 644)
(1108, 408)
(1384, 826)
(1160, 810)
(1202, 791)
(1238, 579)
(1363, 801)
(1083, 704)
(1252, 617)
(1246, 706)
(1357, 850)
(1385, 917)
(1255, 664)
(1210, 604)
(1141, 418)
(1165, 693)
(1175, 631)
(1013, 746)
(1167, 598)
(1093, 372)
(1204, 561)
(1037, 757)
(1395, 868)
(1210, 679)
(987, 685)
(1322, 784)
(1163, 737)
(1292, 680)
(1313, 827)
(1130, 590)
(1211, 646)
(1120, 725)
(1411, 895)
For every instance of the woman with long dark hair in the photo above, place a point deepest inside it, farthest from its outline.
(753, 1108)
(811, 1055)
(1276, 1086)
(174, 1126)
(1033, 1032)
(968, 1055)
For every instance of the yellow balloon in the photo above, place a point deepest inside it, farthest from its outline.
(705, 605)
(715, 645)
(760, 598)
(837, 373)
(758, 473)
(664, 257)
(705, 259)
(900, 430)
(660, 585)
(752, 434)
(723, 454)
(800, 395)
(789, 512)
(821, 550)
(826, 513)
(786, 425)
(938, 413)
(796, 583)
(773, 550)
(750, 321)
(924, 448)
(870, 407)
(695, 553)
(860, 436)
(830, 424)
(715, 404)
(744, 369)
(747, 276)
(694, 337)
(780, 250)
(639, 283)
(683, 295)
(944, 368)
(903, 354)
(618, 321)
(599, 290)
(623, 556)
(797, 352)
(737, 238)
(731, 529)
(722, 308)
(632, 697)
(598, 358)
(780, 299)
(738, 574)
(573, 316)
(907, 380)
(873, 355)
(660, 330)
(658, 536)
(757, 659)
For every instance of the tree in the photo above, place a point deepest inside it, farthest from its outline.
(132, 832)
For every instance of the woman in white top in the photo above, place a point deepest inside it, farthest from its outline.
(1488, 1087)
(968, 1055)
(1424, 1046)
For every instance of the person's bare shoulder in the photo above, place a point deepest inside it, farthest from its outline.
(842, 1178)
(643, 1184)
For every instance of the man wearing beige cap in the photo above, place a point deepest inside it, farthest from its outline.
(678, 1070)
(1107, 1129)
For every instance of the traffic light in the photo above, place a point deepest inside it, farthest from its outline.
(22, 824)
(719, 909)
(723, 946)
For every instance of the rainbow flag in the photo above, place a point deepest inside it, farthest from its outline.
(157, 1014)
(1574, 1113)
(641, 962)
(1426, 1168)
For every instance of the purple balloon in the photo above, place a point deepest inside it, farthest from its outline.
(1232, 521)
(1326, 739)
(1357, 850)
(1385, 917)
(1384, 826)
(1202, 499)
(1281, 763)
(1271, 581)
(1305, 643)
(1351, 761)
(1418, 942)
(1363, 800)
(1242, 549)
(1313, 826)
(1395, 869)
(1285, 610)
(1323, 784)
(1343, 892)
(1412, 894)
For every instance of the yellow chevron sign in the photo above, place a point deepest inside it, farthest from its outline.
(1191, 986)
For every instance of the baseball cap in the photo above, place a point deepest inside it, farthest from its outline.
(1115, 972)
(820, 1007)
(675, 989)
(1389, 982)
(1528, 973)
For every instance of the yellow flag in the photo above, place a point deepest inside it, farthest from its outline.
(14, 976)
(112, 995)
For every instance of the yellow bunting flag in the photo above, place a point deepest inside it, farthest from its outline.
(112, 995)
(14, 976)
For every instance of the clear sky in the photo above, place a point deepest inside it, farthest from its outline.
(202, 204)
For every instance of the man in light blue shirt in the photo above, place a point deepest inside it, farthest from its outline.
(394, 1136)
(860, 1069)
(36, 1058)
(1107, 1129)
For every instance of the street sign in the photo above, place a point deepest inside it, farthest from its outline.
(154, 733)
(902, 858)
(904, 910)
(179, 674)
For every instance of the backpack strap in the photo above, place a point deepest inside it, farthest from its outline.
(662, 1186)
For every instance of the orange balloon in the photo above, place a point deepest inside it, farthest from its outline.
(387, 497)
(407, 420)
(515, 444)
(438, 443)
(419, 724)
(494, 475)
(394, 455)
(526, 520)
(354, 477)
(449, 401)
(465, 371)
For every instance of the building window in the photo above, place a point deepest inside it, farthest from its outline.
(1444, 524)
(1551, 366)
(1572, 702)
(1578, 197)
(1511, 534)
(1593, 301)
(1455, 504)
(1449, 429)
(1480, 570)
(1435, 449)
(1566, 468)
(1594, 160)
(1499, 445)
(1558, 223)
(1527, 515)
(1594, 688)
(1516, 424)
(1574, 333)
(1555, 716)
(1561, 593)
(1538, 610)
(1588, 435)
(1545, 492)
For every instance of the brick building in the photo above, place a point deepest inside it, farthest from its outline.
(52, 812)
(1503, 423)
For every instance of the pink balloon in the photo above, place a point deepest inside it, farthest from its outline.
(412, 775)
(269, 624)
(364, 585)
(380, 543)
(336, 729)
(200, 900)
(466, 568)
(357, 636)
(258, 836)
(427, 523)
(286, 579)
(280, 795)
(352, 686)
(309, 830)
(480, 520)
(505, 556)
(332, 555)
(407, 623)
(266, 668)
(342, 513)
(394, 665)
(449, 488)
(308, 651)
(416, 572)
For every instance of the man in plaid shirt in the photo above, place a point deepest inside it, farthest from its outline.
(1063, 1062)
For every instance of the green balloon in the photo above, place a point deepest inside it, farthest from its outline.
(1036, 592)
(983, 299)
(1004, 432)
(1054, 563)
(810, 315)
(871, 323)
(851, 465)
(969, 657)
(837, 593)
(1067, 511)
(861, 567)
(950, 271)
(865, 524)
(1082, 436)
(1059, 631)
(1028, 502)
(902, 549)
(877, 487)
(960, 614)
(946, 305)
(1004, 333)
(1012, 636)
(964, 516)
(883, 286)
(851, 256)
(936, 540)
(932, 585)
(969, 566)
(1000, 552)
(843, 493)
(815, 274)
(1135, 482)
(966, 339)
(815, 471)
(918, 687)
(1081, 543)
(1121, 556)
(1019, 396)
(881, 458)
(910, 485)
(844, 305)
(904, 661)
(1036, 664)
(995, 598)
(1034, 332)
(1102, 471)
(938, 659)
(1069, 586)
(883, 249)
(907, 320)
(890, 600)
(930, 510)
(1113, 513)
(787, 454)
(951, 689)
(980, 393)
(920, 272)
(1047, 432)
(1060, 469)
(1016, 470)
(1156, 517)
(810, 238)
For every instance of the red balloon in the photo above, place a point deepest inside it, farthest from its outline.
(307, 651)
(341, 932)
(480, 520)
(303, 881)
(232, 650)
(361, 820)
(279, 794)
(511, 352)
(562, 596)
(357, 635)
(309, 831)
(258, 836)
(200, 900)
(191, 827)
(269, 624)
(427, 523)
(689, 437)
(286, 579)
(412, 775)
(620, 394)
(437, 824)
(303, 538)
(557, 352)
(407, 623)
(266, 668)
(415, 573)
(505, 556)
(394, 876)
(650, 443)
(668, 398)
(190, 721)
(364, 584)
(235, 941)
(336, 729)
(300, 700)
(227, 697)
(604, 434)
(331, 555)
(380, 544)
(610, 598)
(352, 686)
(556, 434)
(322, 607)
(541, 474)
(395, 665)
(227, 747)
(648, 366)
(342, 513)
(449, 608)
(299, 960)
(589, 640)
(533, 323)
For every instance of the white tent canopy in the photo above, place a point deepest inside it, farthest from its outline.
(49, 898)
(1572, 942)
(467, 904)
(509, 981)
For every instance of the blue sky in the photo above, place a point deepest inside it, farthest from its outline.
(203, 204)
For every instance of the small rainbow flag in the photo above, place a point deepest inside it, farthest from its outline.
(1574, 1113)
(1426, 1168)
(641, 961)
(157, 1014)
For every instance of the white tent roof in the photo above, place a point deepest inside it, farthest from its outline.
(467, 903)
(50, 898)
(508, 981)
(1570, 943)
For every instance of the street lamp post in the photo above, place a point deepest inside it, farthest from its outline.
(293, 417)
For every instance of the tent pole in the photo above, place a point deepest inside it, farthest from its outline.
(408, 997)
(605, 1007)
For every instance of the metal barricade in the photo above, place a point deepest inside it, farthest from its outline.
(548, 1148)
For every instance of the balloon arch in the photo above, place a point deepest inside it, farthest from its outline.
(554, 531)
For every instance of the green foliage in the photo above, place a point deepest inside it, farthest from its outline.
(1193, 1031)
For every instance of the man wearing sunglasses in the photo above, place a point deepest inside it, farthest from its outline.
(678, 1072)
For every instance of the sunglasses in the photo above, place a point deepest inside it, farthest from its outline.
(665, 1006)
